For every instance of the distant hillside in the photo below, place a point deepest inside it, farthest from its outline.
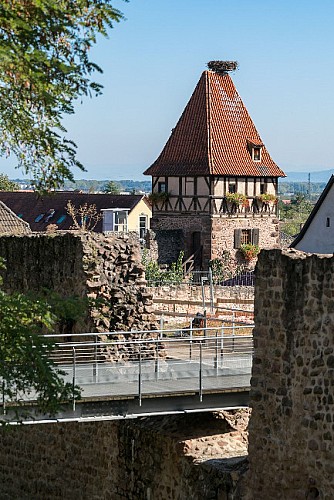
(92, 185)
(316, 176)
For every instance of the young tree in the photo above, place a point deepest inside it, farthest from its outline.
(6, 184)
(112, 188)
(44, 68)
(85, 218)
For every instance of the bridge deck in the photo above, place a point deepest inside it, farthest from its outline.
(180, 375)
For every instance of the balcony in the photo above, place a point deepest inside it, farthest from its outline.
(216, 205)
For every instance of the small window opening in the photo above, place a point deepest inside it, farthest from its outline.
(262, 188)
(328, 222)
(246, 236)
(257, 154)
(161, 187)
(232, 188)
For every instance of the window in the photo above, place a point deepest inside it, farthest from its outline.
(244, 236)
(115, 220)
(142, 226)
(263, 188)
(189, 186)
(61, 219)
(232, 188)
(328, 222)
(256, 154)
(121, 221)
(39, 217)
(162, 187)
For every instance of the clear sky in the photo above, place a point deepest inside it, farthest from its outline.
(153, 60)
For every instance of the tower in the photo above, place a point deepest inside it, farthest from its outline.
(215, 179)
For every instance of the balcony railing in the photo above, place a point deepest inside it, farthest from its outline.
(216, 205)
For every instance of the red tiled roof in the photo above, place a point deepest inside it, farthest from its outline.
(212, 136)
(28, 206)
(10, 223)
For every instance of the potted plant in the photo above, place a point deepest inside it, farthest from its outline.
(236, 198)
(249, 251)
(266, 198)
(158, 198)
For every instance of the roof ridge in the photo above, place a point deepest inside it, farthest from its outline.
(208, 114)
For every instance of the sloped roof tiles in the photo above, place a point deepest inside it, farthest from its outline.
(10, 223)
(213, 135)
(40, 211)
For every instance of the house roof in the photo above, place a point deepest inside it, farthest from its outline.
(40, 211)
(10, 223)
(213, 136)
(315, 209)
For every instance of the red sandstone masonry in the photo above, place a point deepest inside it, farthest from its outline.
(291, 453)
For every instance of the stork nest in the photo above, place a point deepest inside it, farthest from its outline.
(223, 67)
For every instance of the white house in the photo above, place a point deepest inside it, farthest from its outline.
(317, 234)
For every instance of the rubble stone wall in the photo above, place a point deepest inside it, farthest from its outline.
(163, 246)
(187, 299)
(291, 452)
(160, 458)
(223, 233)
(188, 224)
(106, 269)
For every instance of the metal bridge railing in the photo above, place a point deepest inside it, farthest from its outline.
(154, 363)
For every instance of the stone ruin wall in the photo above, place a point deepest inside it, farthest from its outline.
(185, 226)
(291, 453)
(101, 268)
(180, 301)
(170, 235)
(189, 457)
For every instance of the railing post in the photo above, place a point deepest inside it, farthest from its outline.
(217, 355)
(233, 329)
(139, 377)
(95, 365)
(73, 377)
(222, 346)
(200, 373)
(157, 359)
(161, 326)
(211, 290)
(191, 338)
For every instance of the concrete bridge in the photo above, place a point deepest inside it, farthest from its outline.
(132, 374)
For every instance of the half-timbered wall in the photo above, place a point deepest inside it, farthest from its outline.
(198, 207)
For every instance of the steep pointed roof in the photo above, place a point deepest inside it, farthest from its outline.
(214, 136)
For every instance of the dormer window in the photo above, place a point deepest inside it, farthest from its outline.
(255, 149)
(256, 154)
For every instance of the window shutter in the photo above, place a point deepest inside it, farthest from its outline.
(255, 236)
(237, 238)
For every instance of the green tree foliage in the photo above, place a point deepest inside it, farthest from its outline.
(156, 276)
(6, 184)
(25, 365)
(295, 214)
(112, 188)
(44, 68)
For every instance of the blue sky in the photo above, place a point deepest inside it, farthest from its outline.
(153, 60)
